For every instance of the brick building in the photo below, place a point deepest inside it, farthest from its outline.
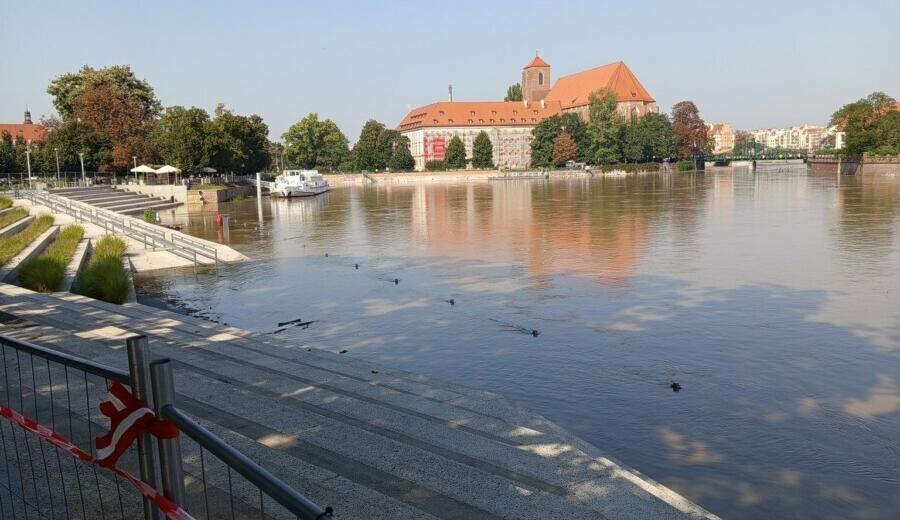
(509, 123)
(26, 131)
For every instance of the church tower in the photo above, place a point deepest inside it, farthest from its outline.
(535, 80)
(27, 116)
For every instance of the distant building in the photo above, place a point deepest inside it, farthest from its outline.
(27, 131)
(722, 137)
(809, 138)
(509, 123)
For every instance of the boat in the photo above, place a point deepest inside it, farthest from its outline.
(299, 183)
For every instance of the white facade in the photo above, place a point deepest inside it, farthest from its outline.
(806, 137)
(511, 144)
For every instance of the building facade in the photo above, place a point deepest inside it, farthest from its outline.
(809, 138)
(26, 131)
(722, 137)
(508, 124)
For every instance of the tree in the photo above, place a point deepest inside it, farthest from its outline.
(867, 124)
(70, 138)
(548, 129)
(690, 129)
(455, 156)
(122, 118)
(482, 151)
(743, 143)
(369, 151)
(241, 142)
(385, 145)
(514, 93)
(401, 159)
(649, 139)
(184, 138)
(7, 153)
(311, 143)
(564, 149)
(65, 88)
(605, 127)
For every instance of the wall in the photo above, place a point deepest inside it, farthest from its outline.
(214, 197)
(869, 166)
(177, 191)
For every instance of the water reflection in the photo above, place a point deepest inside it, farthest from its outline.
(771, 297)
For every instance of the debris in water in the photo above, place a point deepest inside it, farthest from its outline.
(356, 266)
(326, 255)
(374, 371)
(535, 333)
(396, 281)
(278, 331)
(289, 322)
(451, 301)
(343, 351)
(675, 386)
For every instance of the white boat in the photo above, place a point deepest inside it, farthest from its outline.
(299, 183)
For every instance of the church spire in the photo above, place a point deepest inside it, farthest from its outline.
(27, 116)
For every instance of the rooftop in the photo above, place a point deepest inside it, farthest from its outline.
(574, 90)
(477, 113)
(28, 132)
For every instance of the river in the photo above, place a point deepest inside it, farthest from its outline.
(772, 299)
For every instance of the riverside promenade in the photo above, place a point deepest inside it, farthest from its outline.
(371, 441)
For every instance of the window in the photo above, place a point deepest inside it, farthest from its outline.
(540, 78)
(471, 112)
(515, 113)
(493, 112)
(450, 121)
(441, 113)
(502, 120)
(492, 120)
(481, 120)
(471, 121)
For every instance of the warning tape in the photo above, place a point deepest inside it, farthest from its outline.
(169, 508)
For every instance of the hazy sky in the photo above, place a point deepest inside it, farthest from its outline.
(755, 64)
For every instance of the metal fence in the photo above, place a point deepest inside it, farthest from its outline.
(61, 393)
(115, 223)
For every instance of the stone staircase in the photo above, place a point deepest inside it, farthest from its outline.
(120, 201)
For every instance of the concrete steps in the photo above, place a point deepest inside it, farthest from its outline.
(124, 202)
(359, 437)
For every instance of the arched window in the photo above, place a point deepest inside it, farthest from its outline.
(540, 78)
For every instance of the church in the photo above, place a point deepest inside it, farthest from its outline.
(509, 123)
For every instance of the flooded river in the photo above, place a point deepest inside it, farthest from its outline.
(772, 299)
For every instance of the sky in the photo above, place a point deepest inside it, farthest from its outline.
(754, 64)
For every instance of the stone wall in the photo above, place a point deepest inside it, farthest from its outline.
(870, 165)
(214, 197)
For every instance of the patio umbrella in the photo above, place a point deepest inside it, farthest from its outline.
(143, 169)
(167, 169)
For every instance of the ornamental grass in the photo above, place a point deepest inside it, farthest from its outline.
(13, 215)
(12, 245)
(105, 278)
(5, 202)
(46, 272)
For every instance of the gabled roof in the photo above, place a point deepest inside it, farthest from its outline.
(477, 113)
(28, 132)
(537, 62)
(575, 89)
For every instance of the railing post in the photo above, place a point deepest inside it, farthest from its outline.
(138, 366)
(169, 449)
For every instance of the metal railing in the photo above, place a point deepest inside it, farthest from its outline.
(114, 223)
(199, 471)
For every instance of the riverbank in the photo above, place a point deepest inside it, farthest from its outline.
(472, 176)
(367, 439)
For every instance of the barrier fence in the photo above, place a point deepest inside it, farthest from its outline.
(113, 223)
(51, 416)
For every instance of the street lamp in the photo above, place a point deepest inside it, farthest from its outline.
(28, 162)
(134, 158)
(56, 152)
(83, 176)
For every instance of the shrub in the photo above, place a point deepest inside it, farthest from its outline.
(435, 166)
(5, 202)
(684, 166)
(13, 215)
(11, 246)
(149, 216)
(46, 272)
(105, 278)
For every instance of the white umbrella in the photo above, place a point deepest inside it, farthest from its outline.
(143, 169)
(207, 169)
(167, 169)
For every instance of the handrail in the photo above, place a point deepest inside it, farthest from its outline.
(68, 360)
(177, 244)
(285, 495)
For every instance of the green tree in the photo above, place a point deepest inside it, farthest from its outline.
(482, 151)
(311, 143)
(514, 93)
(385, 145)
(7, 153)
(185, 138)
(65, 88)
(70, 138)
(367, 155)
(547, 131)
(455, 156)
(605, 127)
(564, 149)
(868, 124)
(401, 159)
(649, 139)
(241, 143)
(690, 128)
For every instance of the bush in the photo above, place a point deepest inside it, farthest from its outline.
(11, 246)
(105, 278)
(436, 166)
(13, 215)
(149, 216)
(5, 202)
(684, 166)
(45, 273)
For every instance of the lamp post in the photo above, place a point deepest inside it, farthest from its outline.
(56, 152)
(28, 162)
(83, 176)
(134, 158)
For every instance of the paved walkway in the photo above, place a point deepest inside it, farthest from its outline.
(370, 441)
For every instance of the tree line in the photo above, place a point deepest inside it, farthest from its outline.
(114, 119)
(871, 125)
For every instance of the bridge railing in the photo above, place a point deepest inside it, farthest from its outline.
(50, 416)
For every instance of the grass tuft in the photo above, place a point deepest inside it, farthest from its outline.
(105, 278)
(13, 215)
(46, 272)
(13, 245)
(5, 202)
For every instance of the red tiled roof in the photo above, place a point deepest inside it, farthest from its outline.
(477, 113)
(26, 132)
(575, 89)
(537, 62)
